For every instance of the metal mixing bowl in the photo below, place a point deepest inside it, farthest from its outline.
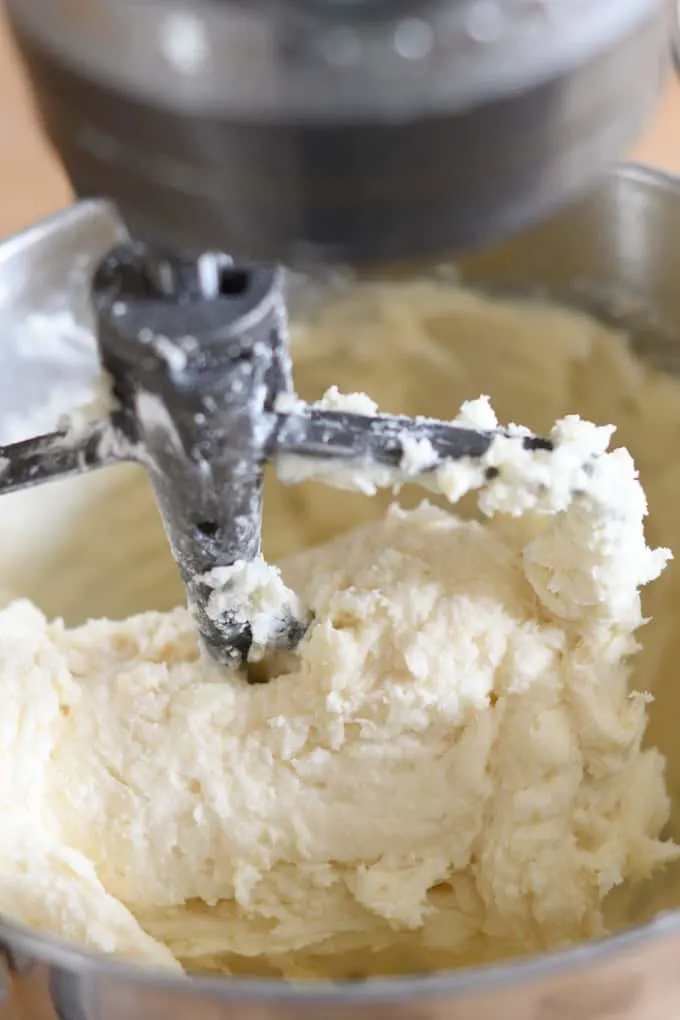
(617, 253)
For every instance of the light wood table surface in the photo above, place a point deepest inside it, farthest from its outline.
(33, 185)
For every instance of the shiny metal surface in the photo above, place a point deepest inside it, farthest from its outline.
(44, 277)
(325, 131)
(323, 59)
(617, 252)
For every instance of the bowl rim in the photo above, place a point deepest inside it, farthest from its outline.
(22, 946)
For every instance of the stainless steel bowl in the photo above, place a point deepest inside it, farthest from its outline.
(617, 254)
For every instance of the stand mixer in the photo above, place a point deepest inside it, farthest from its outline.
(313, 134)
(235, 138)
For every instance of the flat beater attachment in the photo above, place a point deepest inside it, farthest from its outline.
(196, 351)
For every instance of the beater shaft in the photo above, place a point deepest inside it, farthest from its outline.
(341, 436)
(312, 434)
(197, 359)
(56, 455)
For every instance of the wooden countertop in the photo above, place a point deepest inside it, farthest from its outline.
(33, 184)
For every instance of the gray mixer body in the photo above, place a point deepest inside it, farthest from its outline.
(298, 131)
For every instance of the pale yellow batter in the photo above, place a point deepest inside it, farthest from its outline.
(421, 349)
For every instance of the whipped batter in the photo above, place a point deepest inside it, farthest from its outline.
(451, 768)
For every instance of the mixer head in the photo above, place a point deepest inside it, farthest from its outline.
(348, 131)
